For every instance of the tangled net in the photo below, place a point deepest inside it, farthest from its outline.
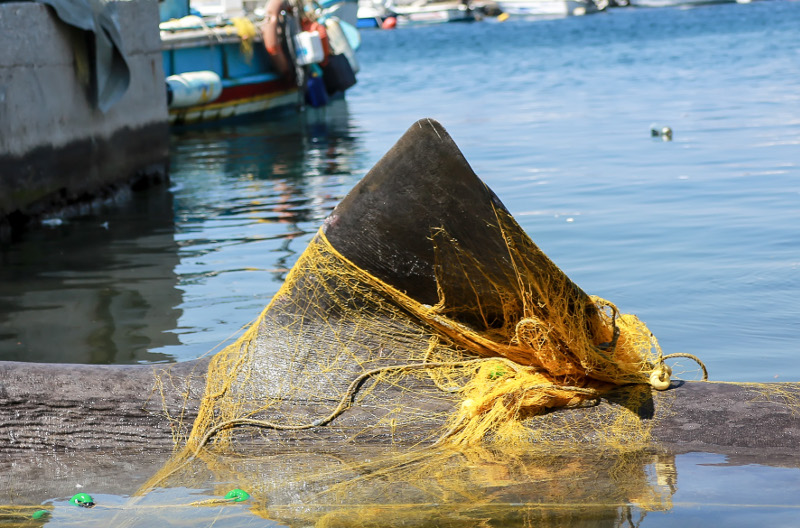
(336, 341)
(341, 357)
(422, 316)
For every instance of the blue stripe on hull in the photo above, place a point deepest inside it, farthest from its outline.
(250, 79)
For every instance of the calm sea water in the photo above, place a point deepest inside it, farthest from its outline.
(698, 236)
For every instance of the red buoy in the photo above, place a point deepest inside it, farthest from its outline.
(389, 23)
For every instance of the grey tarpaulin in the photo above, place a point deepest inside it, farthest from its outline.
(109, 75)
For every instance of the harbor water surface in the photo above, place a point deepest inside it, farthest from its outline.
(699, 236)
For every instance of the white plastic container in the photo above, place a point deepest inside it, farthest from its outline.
(193, 88)
(308, 48)
(339, 42)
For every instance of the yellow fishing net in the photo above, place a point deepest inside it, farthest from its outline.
(247, 31)
(459, 388)
(343, 341)
(383, 487)
(499, 339)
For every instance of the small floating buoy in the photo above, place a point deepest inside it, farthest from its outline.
(664, 133)
(502, 17)
(40, 514)
(237, 495)
(389, 23)
(84, 500)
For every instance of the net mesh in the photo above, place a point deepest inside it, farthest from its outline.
(474, 486)
(452, 355)
(338, 341)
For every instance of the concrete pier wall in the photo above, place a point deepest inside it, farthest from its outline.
(56, 148)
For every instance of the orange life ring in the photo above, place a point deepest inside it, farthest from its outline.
(272, 40)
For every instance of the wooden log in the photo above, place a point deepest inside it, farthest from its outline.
(78, 407)
(53, 406)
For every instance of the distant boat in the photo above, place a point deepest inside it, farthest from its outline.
(345, 10)
(547, 7)
(221, 66)
(674, 3)
(372, 13)
(423, 12)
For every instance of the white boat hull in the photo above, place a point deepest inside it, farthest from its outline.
(433, 13)
(676, 3)
(546, 7)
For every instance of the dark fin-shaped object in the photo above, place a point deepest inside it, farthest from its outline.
(423, 194)
(423, 183)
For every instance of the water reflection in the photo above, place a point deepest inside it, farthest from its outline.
(252, 194)
(164, 275)
(367, 487)
(99, 288)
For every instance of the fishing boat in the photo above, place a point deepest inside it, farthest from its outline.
(424, 12)
(220, 64)
(547, 7)
(372, 13)
(679, 3)
(345, 10)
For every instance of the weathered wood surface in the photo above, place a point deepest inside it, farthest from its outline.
(52, 406)
(730, 418)
(79, 407)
